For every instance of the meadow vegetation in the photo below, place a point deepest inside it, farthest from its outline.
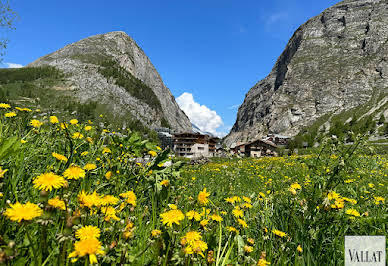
(80, 193)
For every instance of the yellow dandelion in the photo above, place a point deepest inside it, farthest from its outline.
(216, 217)
(232, 229)
(164, 182)
(248, 249)
(353, 212)
(152, 153)
(156, 233)
(204, 222)
(203, 197)
(190, 237)
(251, 241)
(242, 223)
(74, 121)
(109, 200)
(90, 166)
(299, 248)
(2, 172)
(108, 175)
(378, 200)
(89, 246)
(278, 233)
(110, 213)
(59, 157)
(172, 206)
(77, 135)
(74, 172)
(172, 216)
(130, 197)
(48, 181)
(87, 232)
(57, 203)
(36, 123)
(54, 119)
(84, 153)
(88, 128)
(193, 215)
(18, 212)
(246, 199)
(238, 213)
(5, 106)
(89, 200)
(10, 114)
(106, 150)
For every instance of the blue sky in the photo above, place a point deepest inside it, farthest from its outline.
(215, 50)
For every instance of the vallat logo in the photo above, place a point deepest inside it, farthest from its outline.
(364, 250)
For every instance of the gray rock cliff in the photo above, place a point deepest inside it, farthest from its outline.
(335, 61)
(81, 63)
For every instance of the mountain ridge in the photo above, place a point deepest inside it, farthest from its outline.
(334, 62)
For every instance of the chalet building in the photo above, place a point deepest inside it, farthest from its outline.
(192, 145)
(256, 148)
(165, 137)
(277, 139)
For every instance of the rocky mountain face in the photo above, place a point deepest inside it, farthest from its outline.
(112, 69)
(334, 62)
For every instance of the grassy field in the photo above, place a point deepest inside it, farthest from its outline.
(73, 193)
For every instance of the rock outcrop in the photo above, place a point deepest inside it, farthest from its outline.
(335, 61)
(92, 67)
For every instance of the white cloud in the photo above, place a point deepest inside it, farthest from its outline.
(200, 115)
(13, 65)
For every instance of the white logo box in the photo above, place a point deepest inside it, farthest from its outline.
(365, 250)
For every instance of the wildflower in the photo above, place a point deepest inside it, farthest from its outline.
(247, 205)
(74, 121)
(84, 153)
(190, 237)
(106, 150)
(5, 105)
(74, 172)
(246, 199)
(2, 172)
(263, 262)
(109, 200)
(130, 197)
(54, 119)
(251, 241)
(238, 213)
(88, 128)
(57, 203)
(242, 223)
(193, 215)
(22, 141)
(352, 201)
(48, 181)
(89, 200)
(36, 123)
(10, 114)
(230, 200)
(156, 233)
(377, 199)
(172, 216)
(110, 213)
(152, 153)
(371, 185)
(203, 197)
(278, 233)
(63, 125)
(216, 217)
(18, 212)
(332, 195)
(90, 166)
(352, 212)
(77, 135)
(89, 246)
(299, 248)
(248, 249)
(204, 222)
(59, 157)
(232, 229)
(338, 204)
(172, 206)
(295, 186)
(198, 247)
(88, 232)
(164, 182)
(108, 175)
